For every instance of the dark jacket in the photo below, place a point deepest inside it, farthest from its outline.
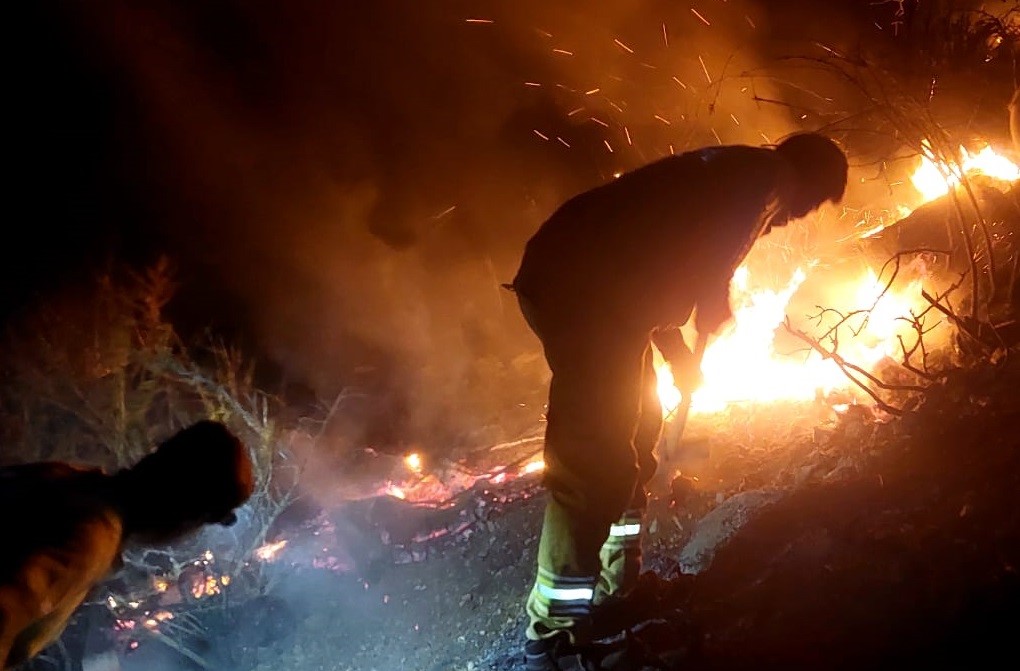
(645, 248)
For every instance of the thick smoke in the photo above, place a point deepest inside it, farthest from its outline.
(346, 185)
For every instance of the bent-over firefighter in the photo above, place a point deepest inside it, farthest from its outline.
(612, 271)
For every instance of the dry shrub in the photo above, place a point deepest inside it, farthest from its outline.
(98, 376)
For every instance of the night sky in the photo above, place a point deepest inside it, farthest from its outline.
(344, 185)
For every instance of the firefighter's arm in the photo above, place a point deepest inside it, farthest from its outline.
(27, 608)
(670, 343)
(40, 599)
(713, 307)
(14, 618)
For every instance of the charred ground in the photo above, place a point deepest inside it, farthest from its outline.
(792, 537)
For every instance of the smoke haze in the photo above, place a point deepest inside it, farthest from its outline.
(344, 186)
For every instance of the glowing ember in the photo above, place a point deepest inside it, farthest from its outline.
(533, 466)
(395, 491)
(206, 586)
(413, 462)
(270, 551)
(159, 616)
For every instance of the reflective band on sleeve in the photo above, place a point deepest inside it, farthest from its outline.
(565, 593)
(618, 530)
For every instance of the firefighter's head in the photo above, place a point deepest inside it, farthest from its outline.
(820, 169)
(196, 477)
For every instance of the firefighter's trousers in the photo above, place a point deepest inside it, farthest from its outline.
(604, 420)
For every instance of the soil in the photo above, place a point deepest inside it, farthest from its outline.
(793, 537)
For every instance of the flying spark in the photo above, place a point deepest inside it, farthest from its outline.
(704, 68)
(623, 46)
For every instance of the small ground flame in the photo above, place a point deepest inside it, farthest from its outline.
(534, 466)
(270, 551)
(413, 462)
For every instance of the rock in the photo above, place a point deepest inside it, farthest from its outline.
(717, 527)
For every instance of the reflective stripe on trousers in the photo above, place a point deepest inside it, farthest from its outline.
(558, 596)
(620, 557)
(626, 532)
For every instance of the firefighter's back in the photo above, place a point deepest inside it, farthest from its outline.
(653, 231)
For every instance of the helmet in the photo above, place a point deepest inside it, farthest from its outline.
(819, 163)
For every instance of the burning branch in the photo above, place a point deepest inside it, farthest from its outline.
(968, 326)
(867, 381)
(917, 324)
(849, 369)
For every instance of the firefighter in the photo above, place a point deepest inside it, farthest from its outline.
(611, 271)
(65, 526)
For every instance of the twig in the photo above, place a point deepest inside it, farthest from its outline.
(847, 367)
(174, 645)
(959, 323)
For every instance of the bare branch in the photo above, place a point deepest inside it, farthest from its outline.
(849, 369)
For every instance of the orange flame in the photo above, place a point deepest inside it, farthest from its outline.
(413, 462)
(270, 551)
(933, 180)
(534, 466)
(742, 364)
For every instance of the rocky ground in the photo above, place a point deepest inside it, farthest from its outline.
(796, 537)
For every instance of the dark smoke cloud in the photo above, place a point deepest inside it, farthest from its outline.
(346, 184)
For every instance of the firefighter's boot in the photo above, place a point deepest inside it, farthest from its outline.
(556, 653)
